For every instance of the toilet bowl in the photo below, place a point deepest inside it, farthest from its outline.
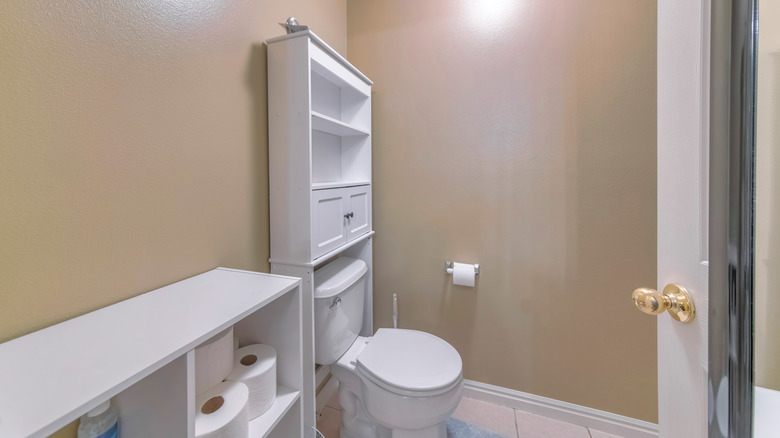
(396, 384)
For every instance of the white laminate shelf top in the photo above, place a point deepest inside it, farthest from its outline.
(339, 184)
(323, 258)
(261, 426)
(324, 46)
(51, 377)
(321, 122)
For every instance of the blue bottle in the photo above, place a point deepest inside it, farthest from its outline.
(101, 422)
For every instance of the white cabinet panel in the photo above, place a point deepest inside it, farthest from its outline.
(339, 215)
(359, 206)
(328, 210)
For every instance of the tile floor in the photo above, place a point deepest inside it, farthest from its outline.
(483, 420)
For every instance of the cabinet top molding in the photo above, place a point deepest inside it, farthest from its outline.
(324, 46)
(51, 377)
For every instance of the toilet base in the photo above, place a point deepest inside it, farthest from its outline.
(357, 423)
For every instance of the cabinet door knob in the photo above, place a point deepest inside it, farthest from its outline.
(349, 215)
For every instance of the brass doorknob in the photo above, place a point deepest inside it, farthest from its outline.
(675, 299)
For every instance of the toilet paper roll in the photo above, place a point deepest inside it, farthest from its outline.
(255, 366)
(463, 274)
(222, 411)
(213, 360)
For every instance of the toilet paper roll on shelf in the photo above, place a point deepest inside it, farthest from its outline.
(255, 366)
(222, 411)
(213, 361)
(463, 274)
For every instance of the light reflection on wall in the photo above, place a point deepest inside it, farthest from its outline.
(487, 16)
(181, 14)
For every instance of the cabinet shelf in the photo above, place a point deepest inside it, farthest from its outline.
(338, 184)
(328, 255)
(261, 426)
(321, 122)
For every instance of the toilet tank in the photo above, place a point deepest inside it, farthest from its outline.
(339, 291)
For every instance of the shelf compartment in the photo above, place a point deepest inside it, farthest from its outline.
(279, 324)
(338, 160)
(159, 405)
(339, 101)
(262, 426)
(321, 122)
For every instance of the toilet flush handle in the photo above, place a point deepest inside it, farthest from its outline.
(335, 303)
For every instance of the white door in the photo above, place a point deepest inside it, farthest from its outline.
(328, 220)
(359, 211)
(683, 153)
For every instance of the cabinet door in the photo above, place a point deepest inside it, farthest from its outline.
(359, 211)
(328, 221)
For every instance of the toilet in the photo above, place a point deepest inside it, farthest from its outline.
(396, 384)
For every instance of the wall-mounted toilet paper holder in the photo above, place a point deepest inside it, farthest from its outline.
(448, 268)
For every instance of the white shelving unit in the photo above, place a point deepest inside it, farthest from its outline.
(140, 354)
(319, 127)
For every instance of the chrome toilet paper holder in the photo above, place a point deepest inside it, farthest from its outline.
(448, 268)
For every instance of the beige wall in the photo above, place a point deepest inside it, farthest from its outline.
(519, 135)
(767, 305)
(133, 154)
(133, 146)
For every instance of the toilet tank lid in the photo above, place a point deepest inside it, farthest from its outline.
(335, 277)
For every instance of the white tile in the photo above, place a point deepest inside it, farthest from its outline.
(599, 434)
(497, 419)
(536, 426)
(494, 418)
(330, 422)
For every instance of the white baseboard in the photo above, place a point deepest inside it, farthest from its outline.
(558, 410)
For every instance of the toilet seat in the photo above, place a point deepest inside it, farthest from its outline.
(410, 363)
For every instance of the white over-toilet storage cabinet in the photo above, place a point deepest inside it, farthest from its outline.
(319, 128)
